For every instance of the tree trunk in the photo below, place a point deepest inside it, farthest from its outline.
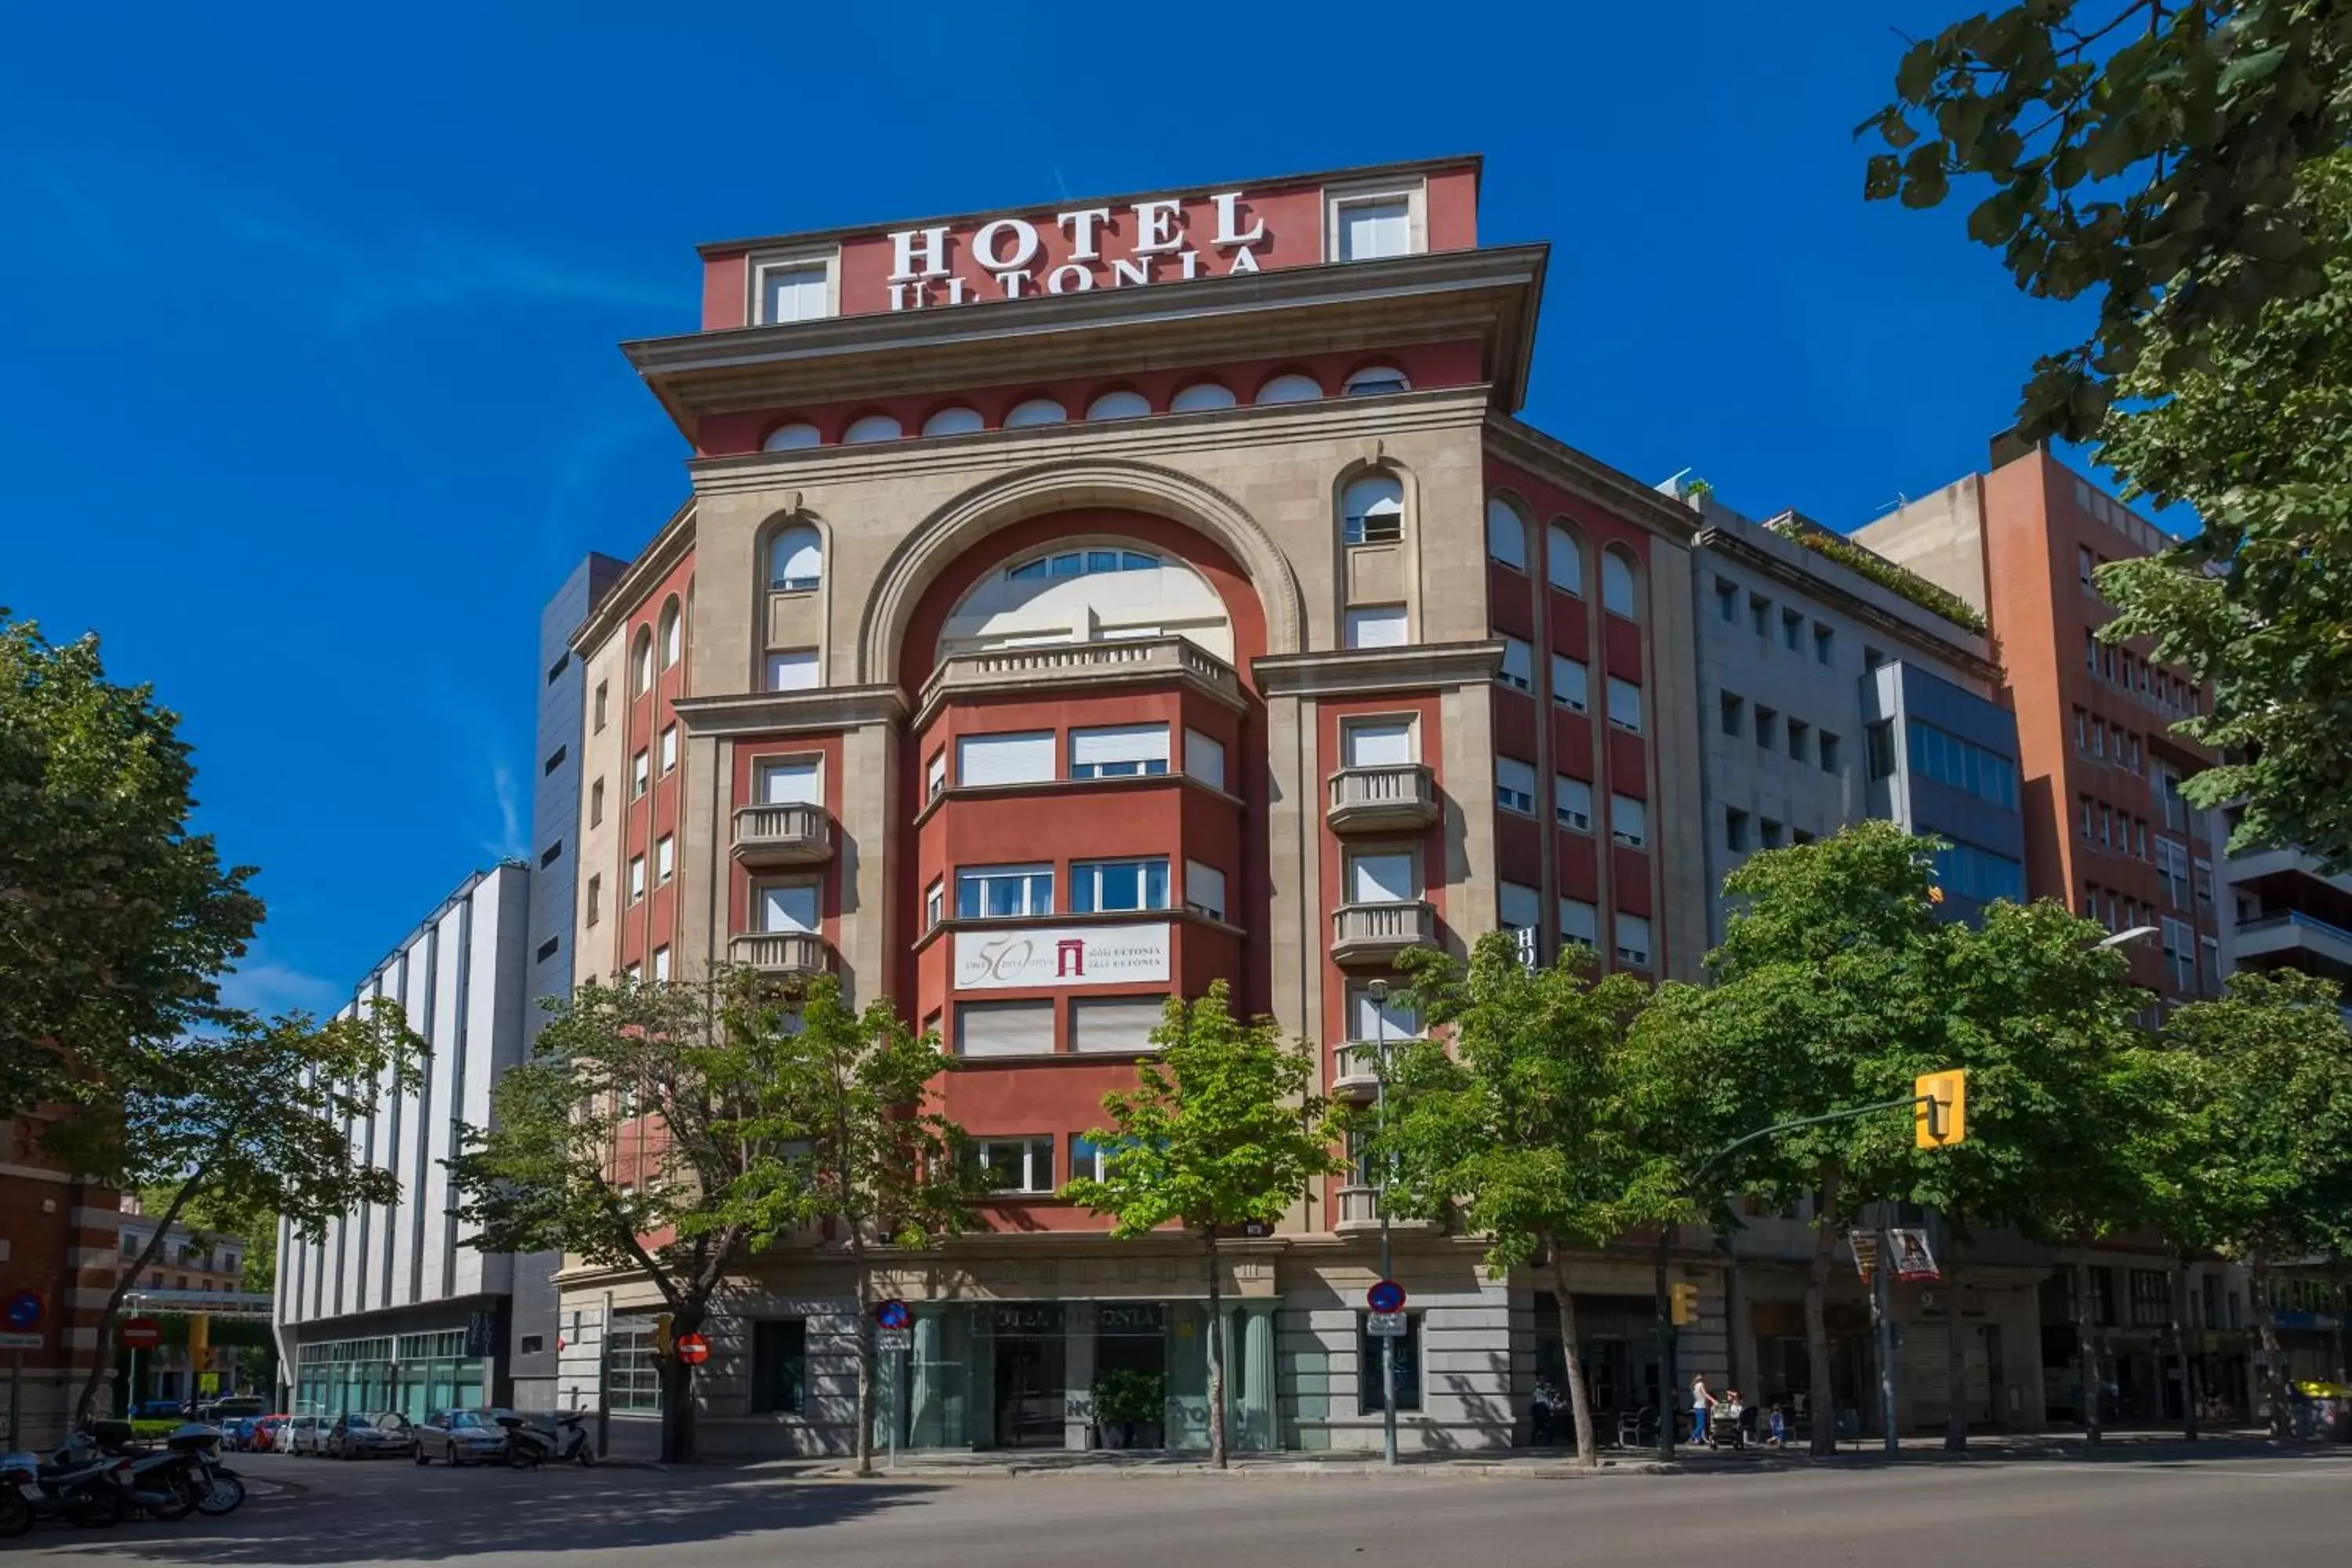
(1956, 1355)
(1821, 1393)
(2181, 1349)
(2087, 1352)
(102, 1365)
(677, 1404)
(865, 1448)
(1580, 1402)
(2273, 1363)
(1217, 1360)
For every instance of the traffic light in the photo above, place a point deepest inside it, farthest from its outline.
(1682, 1302)
(661, 1334)
(1940, 1115)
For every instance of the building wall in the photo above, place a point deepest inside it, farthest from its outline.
(58, 1240)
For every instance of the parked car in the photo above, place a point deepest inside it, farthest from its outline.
(156, 1410)
(236, 1432)
(360, 1436)
(220, 1412)
(263, 1439)
(303, 1435)
(459, 1436)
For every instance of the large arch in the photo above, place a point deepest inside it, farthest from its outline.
(1084, 484)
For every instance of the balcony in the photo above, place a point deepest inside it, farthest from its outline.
(1356, 1071)
(2290, 940)
(784, 954)
(1359, 1210)
(782, 834)
(1376, 933)
(1128, 661)
(1382, 799)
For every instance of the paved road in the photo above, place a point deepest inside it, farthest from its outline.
(2144, 1510)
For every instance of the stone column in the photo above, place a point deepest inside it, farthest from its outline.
(927, 1372)
(1077, 1375)
(1260, 1405)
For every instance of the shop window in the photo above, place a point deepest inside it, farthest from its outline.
(631, 1371)
(1406, 1390)
(779, 1366)
(1372, 510)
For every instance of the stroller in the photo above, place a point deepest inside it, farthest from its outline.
(1727, 1423)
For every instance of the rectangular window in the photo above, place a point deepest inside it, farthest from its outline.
(797, 781)
(1628, 821)
(2099, 740)
(1767, 729)
(1979, 874)
(2091, 651)
(1370, 230)
(636, 878)
(640, 774)
(1088, 1160)
(1580, 923)
(1387, 878)
(1023, 758)
(1634, 940)
(1792, 630)
(1518, 666)
(1799, 732)
(1571, 803)
(1107, 887)
(1204, 889)
(1735, 830)
(1391, 1019)
(603, 695)
(786, 907)
(1625, 705)
(1204, 758)
(1006, 892)
(792, 670)
(555, 759)
(1569, 683)
(2133, 761)
(661, 964)
(1118, 751)
(1376, 742)
(935, 903)
(1872, 658)
(669, 749)
(1515, 785)
(1115, 1023)
(1774, 834)
(1726, 601)
(2082, 730)
(596, 804)
(1519, 909)
(1734, 710)
(1878, 749)
(1016, 1164)
(794, 293)
(2106, 826)
(665, 858)
(1824, 644)
(632, 1370)
(1004, 1028)
(1828, 750)
(1937, 754)
(595, 898)
(935, 776)
(1377, 626)
(779, 1366)
(2083, 564)
(1759, 614)
(1406, 1363)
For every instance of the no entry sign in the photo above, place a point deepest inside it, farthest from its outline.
(139, 1333)
(693, 1349)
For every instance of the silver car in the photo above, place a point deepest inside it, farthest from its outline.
(303, 1435)
(459, 1436)
(357, 1435)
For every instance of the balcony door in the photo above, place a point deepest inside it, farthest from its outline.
(1381, 879)
(787, 907)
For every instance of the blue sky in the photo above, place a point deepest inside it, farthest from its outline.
(310, 317)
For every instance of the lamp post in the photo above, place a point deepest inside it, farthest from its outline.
(1379, 992)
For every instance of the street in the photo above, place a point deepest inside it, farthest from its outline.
(2149, 1507)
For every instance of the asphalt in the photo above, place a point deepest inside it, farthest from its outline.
(2146, 1505)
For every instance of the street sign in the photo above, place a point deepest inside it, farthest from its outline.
(24, 1311)
(894, 1341)
(1386, 1325)
(1387, 1295)
(893, 1314)
(139, 1333)
(693, 1349)
(21, 1342)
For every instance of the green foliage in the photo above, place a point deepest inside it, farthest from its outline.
(215, 1215)
(1223, 1127)
(1130, 1398)
(114, 918)
(1898, 580)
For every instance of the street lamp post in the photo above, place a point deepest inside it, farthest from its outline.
(1379, 992)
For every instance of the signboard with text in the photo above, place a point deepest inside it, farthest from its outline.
(1043, 957)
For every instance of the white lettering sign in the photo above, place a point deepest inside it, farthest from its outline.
(1060, 955)
(1008, 250)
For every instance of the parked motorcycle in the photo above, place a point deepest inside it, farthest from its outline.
(81, 1488)
(529, 1447)
(210, 1486)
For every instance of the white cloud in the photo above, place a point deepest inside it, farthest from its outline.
(261, 984)
(511, 843)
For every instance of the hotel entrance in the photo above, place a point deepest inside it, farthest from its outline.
(1028, 1353)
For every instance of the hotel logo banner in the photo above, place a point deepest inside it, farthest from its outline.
(1041, 957)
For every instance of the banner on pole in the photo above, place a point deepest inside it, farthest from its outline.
(1865, 1251)
(1913, 1264)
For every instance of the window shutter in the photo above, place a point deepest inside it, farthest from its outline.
(1572, 801)
(1005, 759)
(1204, 758)
(1117, 744)
(1578, 921)
(1378, 745)
(1374, 229)
(1569, 686)
(1204, 888)
(1625, 704)
(1519, 905)
(1632, 937)
(1004, 1028)
(1515, 775)
(1115, 1023)
(792, 783)
(1629, 819)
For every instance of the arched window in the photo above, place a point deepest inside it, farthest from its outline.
(1375, 379)
(1290, 389)
(874, 428)
(1372, 510)
(1617, 584)
(1507, 533)
(1563, 561)
(797, 560)
(1118, 406)
(673, 636)
(1200, 395)
(1035, 411)
(953, 421)
(642, 662)
(784, 437)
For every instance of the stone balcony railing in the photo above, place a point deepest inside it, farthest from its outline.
(1121, 662)
(1376, 933)
(1360, 1209)
(1356, 1071)
(1382, 799)
(790, 835)
(783, 953)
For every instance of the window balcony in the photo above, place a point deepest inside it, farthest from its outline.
(1382, 799)
(1376, 933)
(784, 954)
(1356, 1071)
(1122, 662)
(782, 834)
(1359, 1210)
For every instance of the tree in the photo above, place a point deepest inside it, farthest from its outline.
(255, 1117)
(220, 1216)
(115, 921)
(2265, 1071)
(1531, 1125)
(1223, 1129)
(2185, 164)
(845, 1139)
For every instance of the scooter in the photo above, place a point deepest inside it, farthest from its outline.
(83, 1491)
(528, 1447)
(210, 1487)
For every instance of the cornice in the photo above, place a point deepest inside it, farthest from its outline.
(1596, 481)
(1724, 542)
(769, 712)
(1160, 436)
(628, 590)
(1342, 673)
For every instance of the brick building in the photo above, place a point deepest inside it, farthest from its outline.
(57, 1241)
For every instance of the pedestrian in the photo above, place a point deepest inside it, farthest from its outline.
(1779, 1418)
(1702, 1404)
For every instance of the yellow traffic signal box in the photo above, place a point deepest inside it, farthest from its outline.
(1682, 1303)
(1940, 1117)
(661, 1334)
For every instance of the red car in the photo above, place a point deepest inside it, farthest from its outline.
(264, 1438)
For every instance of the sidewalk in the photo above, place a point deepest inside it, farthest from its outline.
(1560, 1464)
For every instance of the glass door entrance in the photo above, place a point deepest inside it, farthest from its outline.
(1032, 1387)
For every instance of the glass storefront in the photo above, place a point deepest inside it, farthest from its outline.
(414, 1374)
